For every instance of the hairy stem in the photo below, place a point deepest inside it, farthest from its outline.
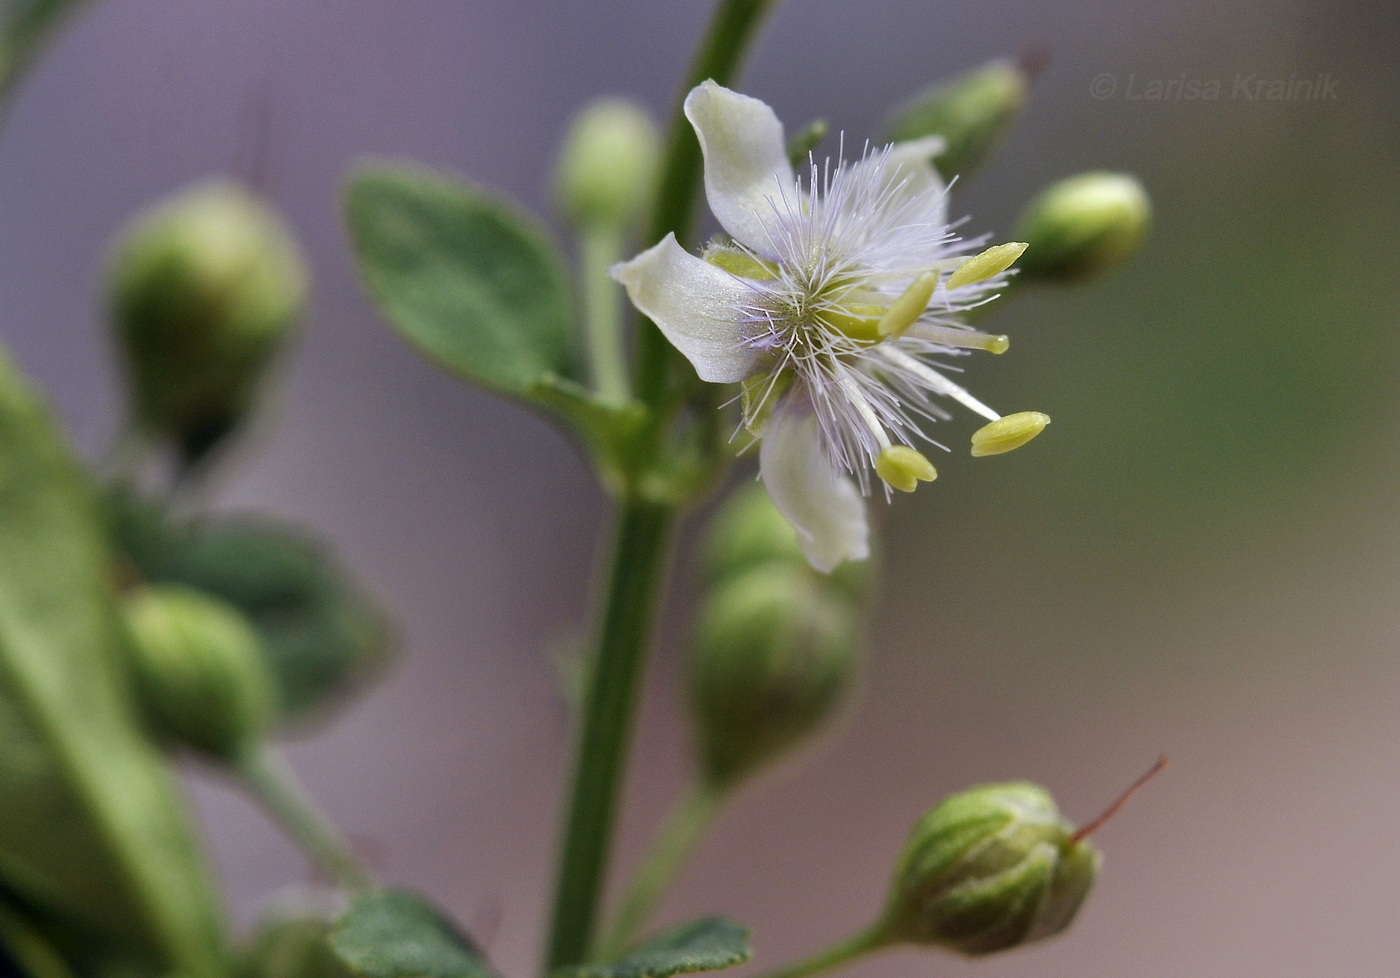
(683, 829)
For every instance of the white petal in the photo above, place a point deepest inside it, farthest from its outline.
(746, 161)
(695, 304)
(909, 164)
(821, 503)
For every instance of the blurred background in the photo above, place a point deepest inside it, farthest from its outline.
(1199, 558)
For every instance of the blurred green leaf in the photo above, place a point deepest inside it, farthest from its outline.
(25, 950)
(93, 836)
(26, 25)
(465, 277)
(321, 634)
(397, 935)
(702, 945)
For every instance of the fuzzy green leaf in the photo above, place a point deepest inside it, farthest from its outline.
(321, 634)
(702, 945)
(465, 277)
(94, 838)
(390, 934)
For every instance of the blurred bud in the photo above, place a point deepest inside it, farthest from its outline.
(771, 656)
(199, 670)
(608, 164)
(971, 112)
(1083, 226)
(988, 869)
(203, 289)
(748, 532)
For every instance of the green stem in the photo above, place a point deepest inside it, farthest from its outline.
(639, 558)
(843, 952)
(683, 829)
(600, 247)
(272, 782)
(643, 536)
(733, 27)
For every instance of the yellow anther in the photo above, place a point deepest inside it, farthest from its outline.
(740, 263)
(858, 321)
(906, 310)
(1009, 433)
(998, 344)
(997, 258)
(904, 468)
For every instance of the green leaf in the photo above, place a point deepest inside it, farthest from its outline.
(703, 945)
(465, 277)
(27, 25)
(390, 934)
(321, 635)
(94, 838)
(609, 430)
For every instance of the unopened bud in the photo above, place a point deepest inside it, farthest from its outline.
(1083, 226)
(747, 532)
(608, 164)
(200, 671)
(988, 869)
(771, 656)
(203, 289)
(971, 112)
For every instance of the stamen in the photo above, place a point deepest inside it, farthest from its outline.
(939, 384)
(1010, 432)
(857, 400)
(966, 339)
(740, 263)
(997, 258)
(759, 396)
(903, 468)
(861, 322)
(906, 310)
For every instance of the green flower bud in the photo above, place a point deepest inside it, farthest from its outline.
(200, 670)
(988, 869)
(971, 112)
(203, 290)
(771, 656)
(748, 532)
(607, 167)
(1083, 226)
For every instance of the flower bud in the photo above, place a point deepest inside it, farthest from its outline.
(203, 290)
(971, 112)
(608, 164)
(200, 670)
(1083, 226)
(748, 532)
(988, 869)
(771, 656)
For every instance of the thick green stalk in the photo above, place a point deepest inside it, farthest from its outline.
(734, 26)
(639, 561)
(643, 537)
(683, 829)
(269, 779)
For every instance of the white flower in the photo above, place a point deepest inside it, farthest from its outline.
(829, 305)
